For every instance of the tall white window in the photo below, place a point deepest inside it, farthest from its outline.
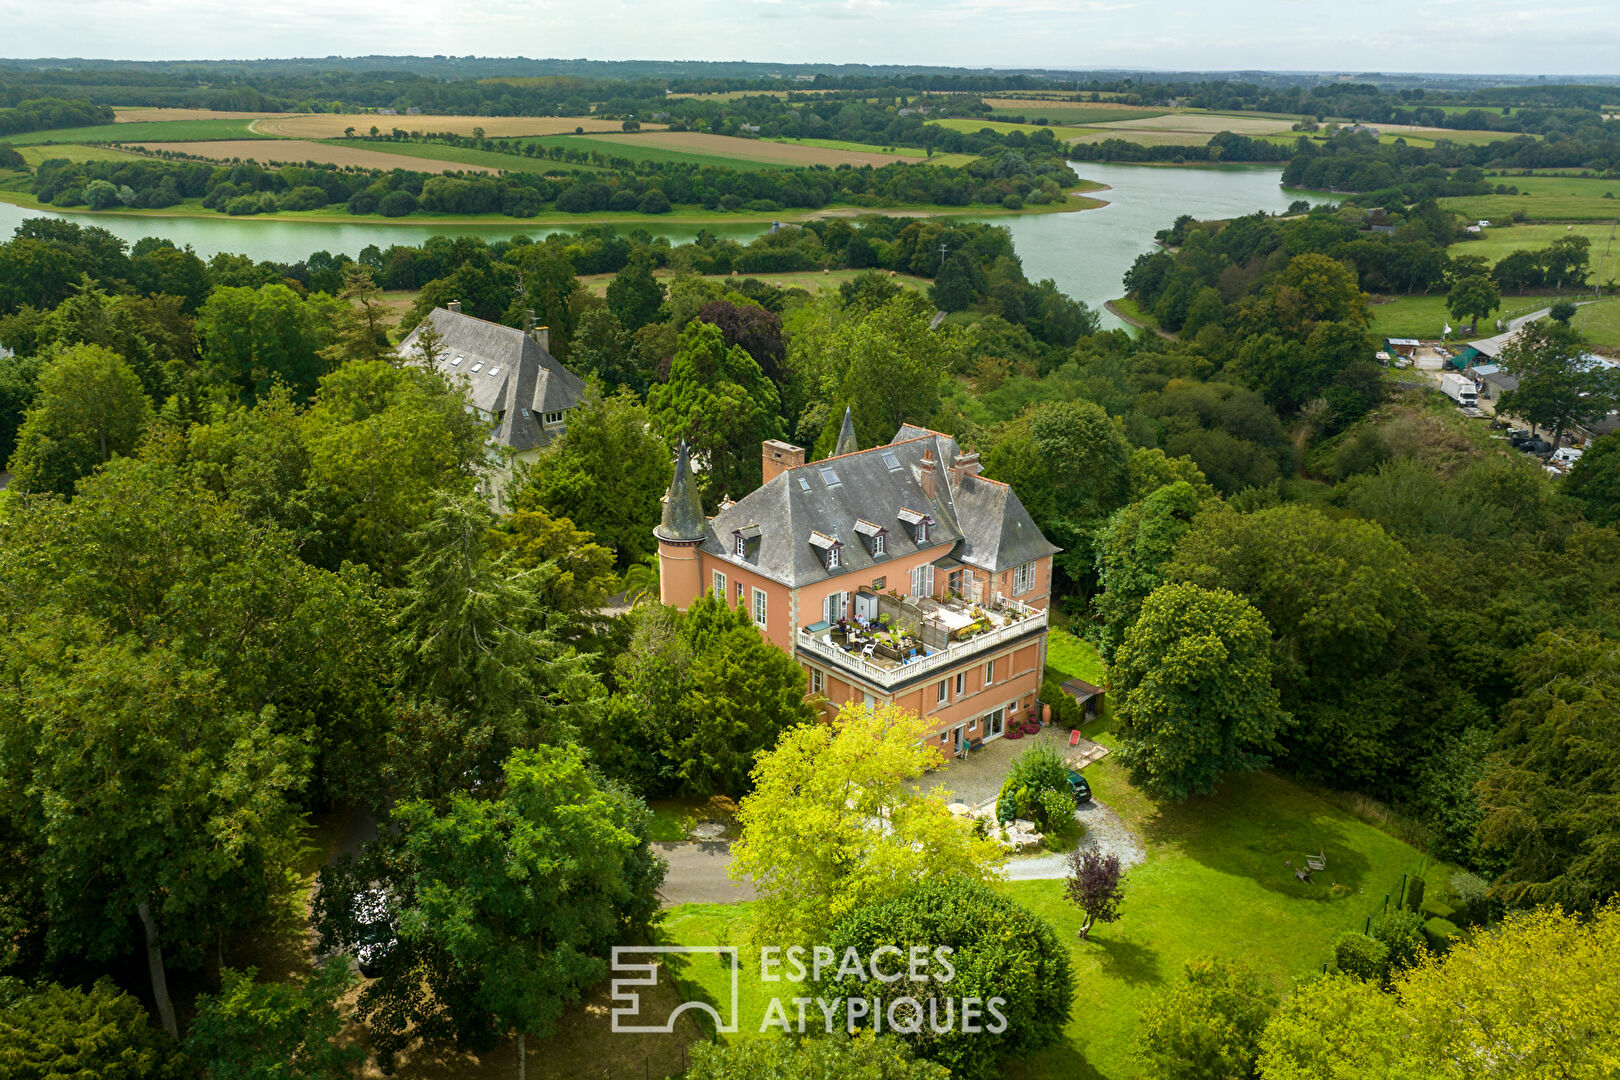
(720, 586)
(742, 546)
(942, 692)
(832, 557)
(922, 533)
(817, 681)
(877, 543)
(922, 580)
(1023, 578)
(759, 607)
(739, 594)
(989, 672)
(961, 682)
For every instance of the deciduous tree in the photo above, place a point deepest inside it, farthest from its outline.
(1193, 693)
(833, 823)
(1207, 1026)
(89, 408)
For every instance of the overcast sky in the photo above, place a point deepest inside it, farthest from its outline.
(1556, 37)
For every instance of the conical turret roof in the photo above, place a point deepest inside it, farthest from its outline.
(683, 512)
(846, 436)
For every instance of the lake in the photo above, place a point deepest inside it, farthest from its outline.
(1086, 253)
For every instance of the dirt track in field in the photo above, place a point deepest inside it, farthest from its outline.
(332, 125)
(697, 142)
(298, 151)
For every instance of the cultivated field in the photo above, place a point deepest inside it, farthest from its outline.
(145, 115)
(139, 131)
(1205, 124)
(1144, 138)
(332, 125)
(299, 151)
(1063, 112)
(1001, 127)
(36, 154)
(727, 146)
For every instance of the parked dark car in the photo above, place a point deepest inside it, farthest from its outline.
(1538, 447)
(1079, 788)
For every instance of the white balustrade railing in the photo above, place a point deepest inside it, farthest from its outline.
(888, 675)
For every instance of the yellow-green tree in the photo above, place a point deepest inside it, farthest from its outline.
(834, 823)
(1533, 997)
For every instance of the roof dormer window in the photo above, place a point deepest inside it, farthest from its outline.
(742, 545)
(832, 556)
(876, 536)
(922, 531)
(745, 540)
(919, 522)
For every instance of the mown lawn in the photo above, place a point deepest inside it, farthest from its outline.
(1216, 883)
(1544, 198)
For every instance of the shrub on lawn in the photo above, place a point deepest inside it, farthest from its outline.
(998, 950)
(1357, 954)
(1066, 712)
(1402, 933)
(1438, 933)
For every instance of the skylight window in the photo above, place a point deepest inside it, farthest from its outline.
(830, 478)
(476, 368)
(804, 483)
(890, 460)
(457, 361)
(494, 371)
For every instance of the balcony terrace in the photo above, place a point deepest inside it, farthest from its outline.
(912, 637)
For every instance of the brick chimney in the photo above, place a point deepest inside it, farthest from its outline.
(778, 457)
(455, 306)
(928, 473)
(965, 465)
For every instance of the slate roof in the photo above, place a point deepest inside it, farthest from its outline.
(979, 521)
(683, 513)
(507, 374)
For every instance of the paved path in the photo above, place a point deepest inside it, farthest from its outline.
(697, 874)
(697, 870)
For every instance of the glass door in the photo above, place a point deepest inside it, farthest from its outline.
(997, 722)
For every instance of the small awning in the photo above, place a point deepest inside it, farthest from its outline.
(947, 562)
(1081, 690)
(910, 516)
(867, 528)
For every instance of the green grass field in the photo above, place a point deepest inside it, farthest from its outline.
(1497, 243)
(952, 160)
(1544, 197)
(1216, 882)
(1425, 316)
(153, 131)
(1600, 323)
(632, 151)
(1071, 113)
(36, 154)
(1001, 127)
(462, 154)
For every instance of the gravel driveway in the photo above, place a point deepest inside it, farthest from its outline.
(1105, 833)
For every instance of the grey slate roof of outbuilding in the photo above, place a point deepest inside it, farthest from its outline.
(507, 374)
(981, 521)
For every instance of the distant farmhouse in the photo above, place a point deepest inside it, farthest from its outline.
(512, 380)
